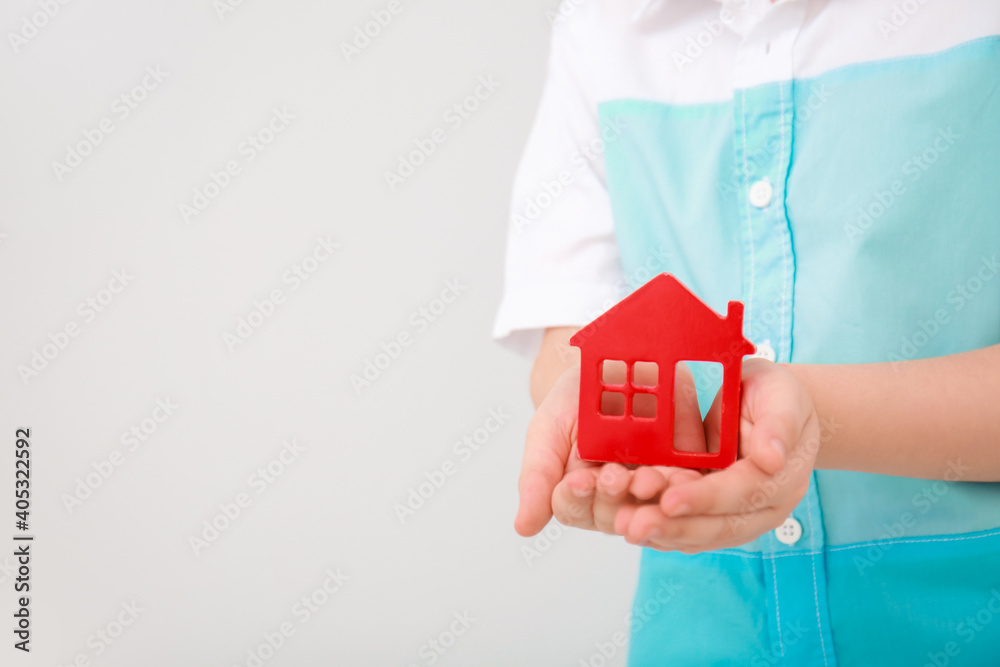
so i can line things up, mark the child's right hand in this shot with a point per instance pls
(582, 494)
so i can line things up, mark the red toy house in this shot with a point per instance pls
(661, 323)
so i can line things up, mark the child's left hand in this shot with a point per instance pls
(675, 509)
(779, 440)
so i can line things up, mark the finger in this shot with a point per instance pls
(650, 481)
(689, 433)
(664, 477)
(724, 492)
(778, 409)
(624, 517)
(613, 480)
(649, 526)
(685, 475)
(573, 499)
(574, 462)
(547, 446)
(769, 441)
(612, 491)
(713, 424)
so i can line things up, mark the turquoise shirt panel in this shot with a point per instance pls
(893, 195)
(895, 203)
(894, 602)
(663, 175)
(918, 601)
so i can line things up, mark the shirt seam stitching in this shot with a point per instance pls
(860, 545)
(746, 184)
(777, 602)
(812, 560)
(914, 541)
(784, 232)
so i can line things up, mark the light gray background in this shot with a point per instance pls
(162, 336)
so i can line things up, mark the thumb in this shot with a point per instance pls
(547, 446)
(770, 439)
(776, 409)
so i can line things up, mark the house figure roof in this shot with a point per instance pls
(664, 315)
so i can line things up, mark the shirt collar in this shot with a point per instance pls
(740, 16)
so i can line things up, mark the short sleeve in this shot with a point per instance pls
(562, 266)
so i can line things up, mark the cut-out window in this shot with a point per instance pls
(628, 388)
(696, 384)
(613, 371)
(612, 403)
(645, 374)
(644, 405)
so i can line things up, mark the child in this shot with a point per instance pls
(833, 165)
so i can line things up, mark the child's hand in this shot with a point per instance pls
(554, 480)
(779, 438)
(550, 440)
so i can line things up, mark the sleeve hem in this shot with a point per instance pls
(526, 312)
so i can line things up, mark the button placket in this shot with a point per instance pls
(764, 107)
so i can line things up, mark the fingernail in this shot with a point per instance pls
(680, 510)
(673, 507)
(582, 491)
(654, 534)
(778, 447)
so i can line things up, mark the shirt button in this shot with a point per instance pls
(765, 351)
(761, 193)
(789, 532)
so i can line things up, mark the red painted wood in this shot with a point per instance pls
(662, 322)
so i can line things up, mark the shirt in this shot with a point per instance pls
(834, 165)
